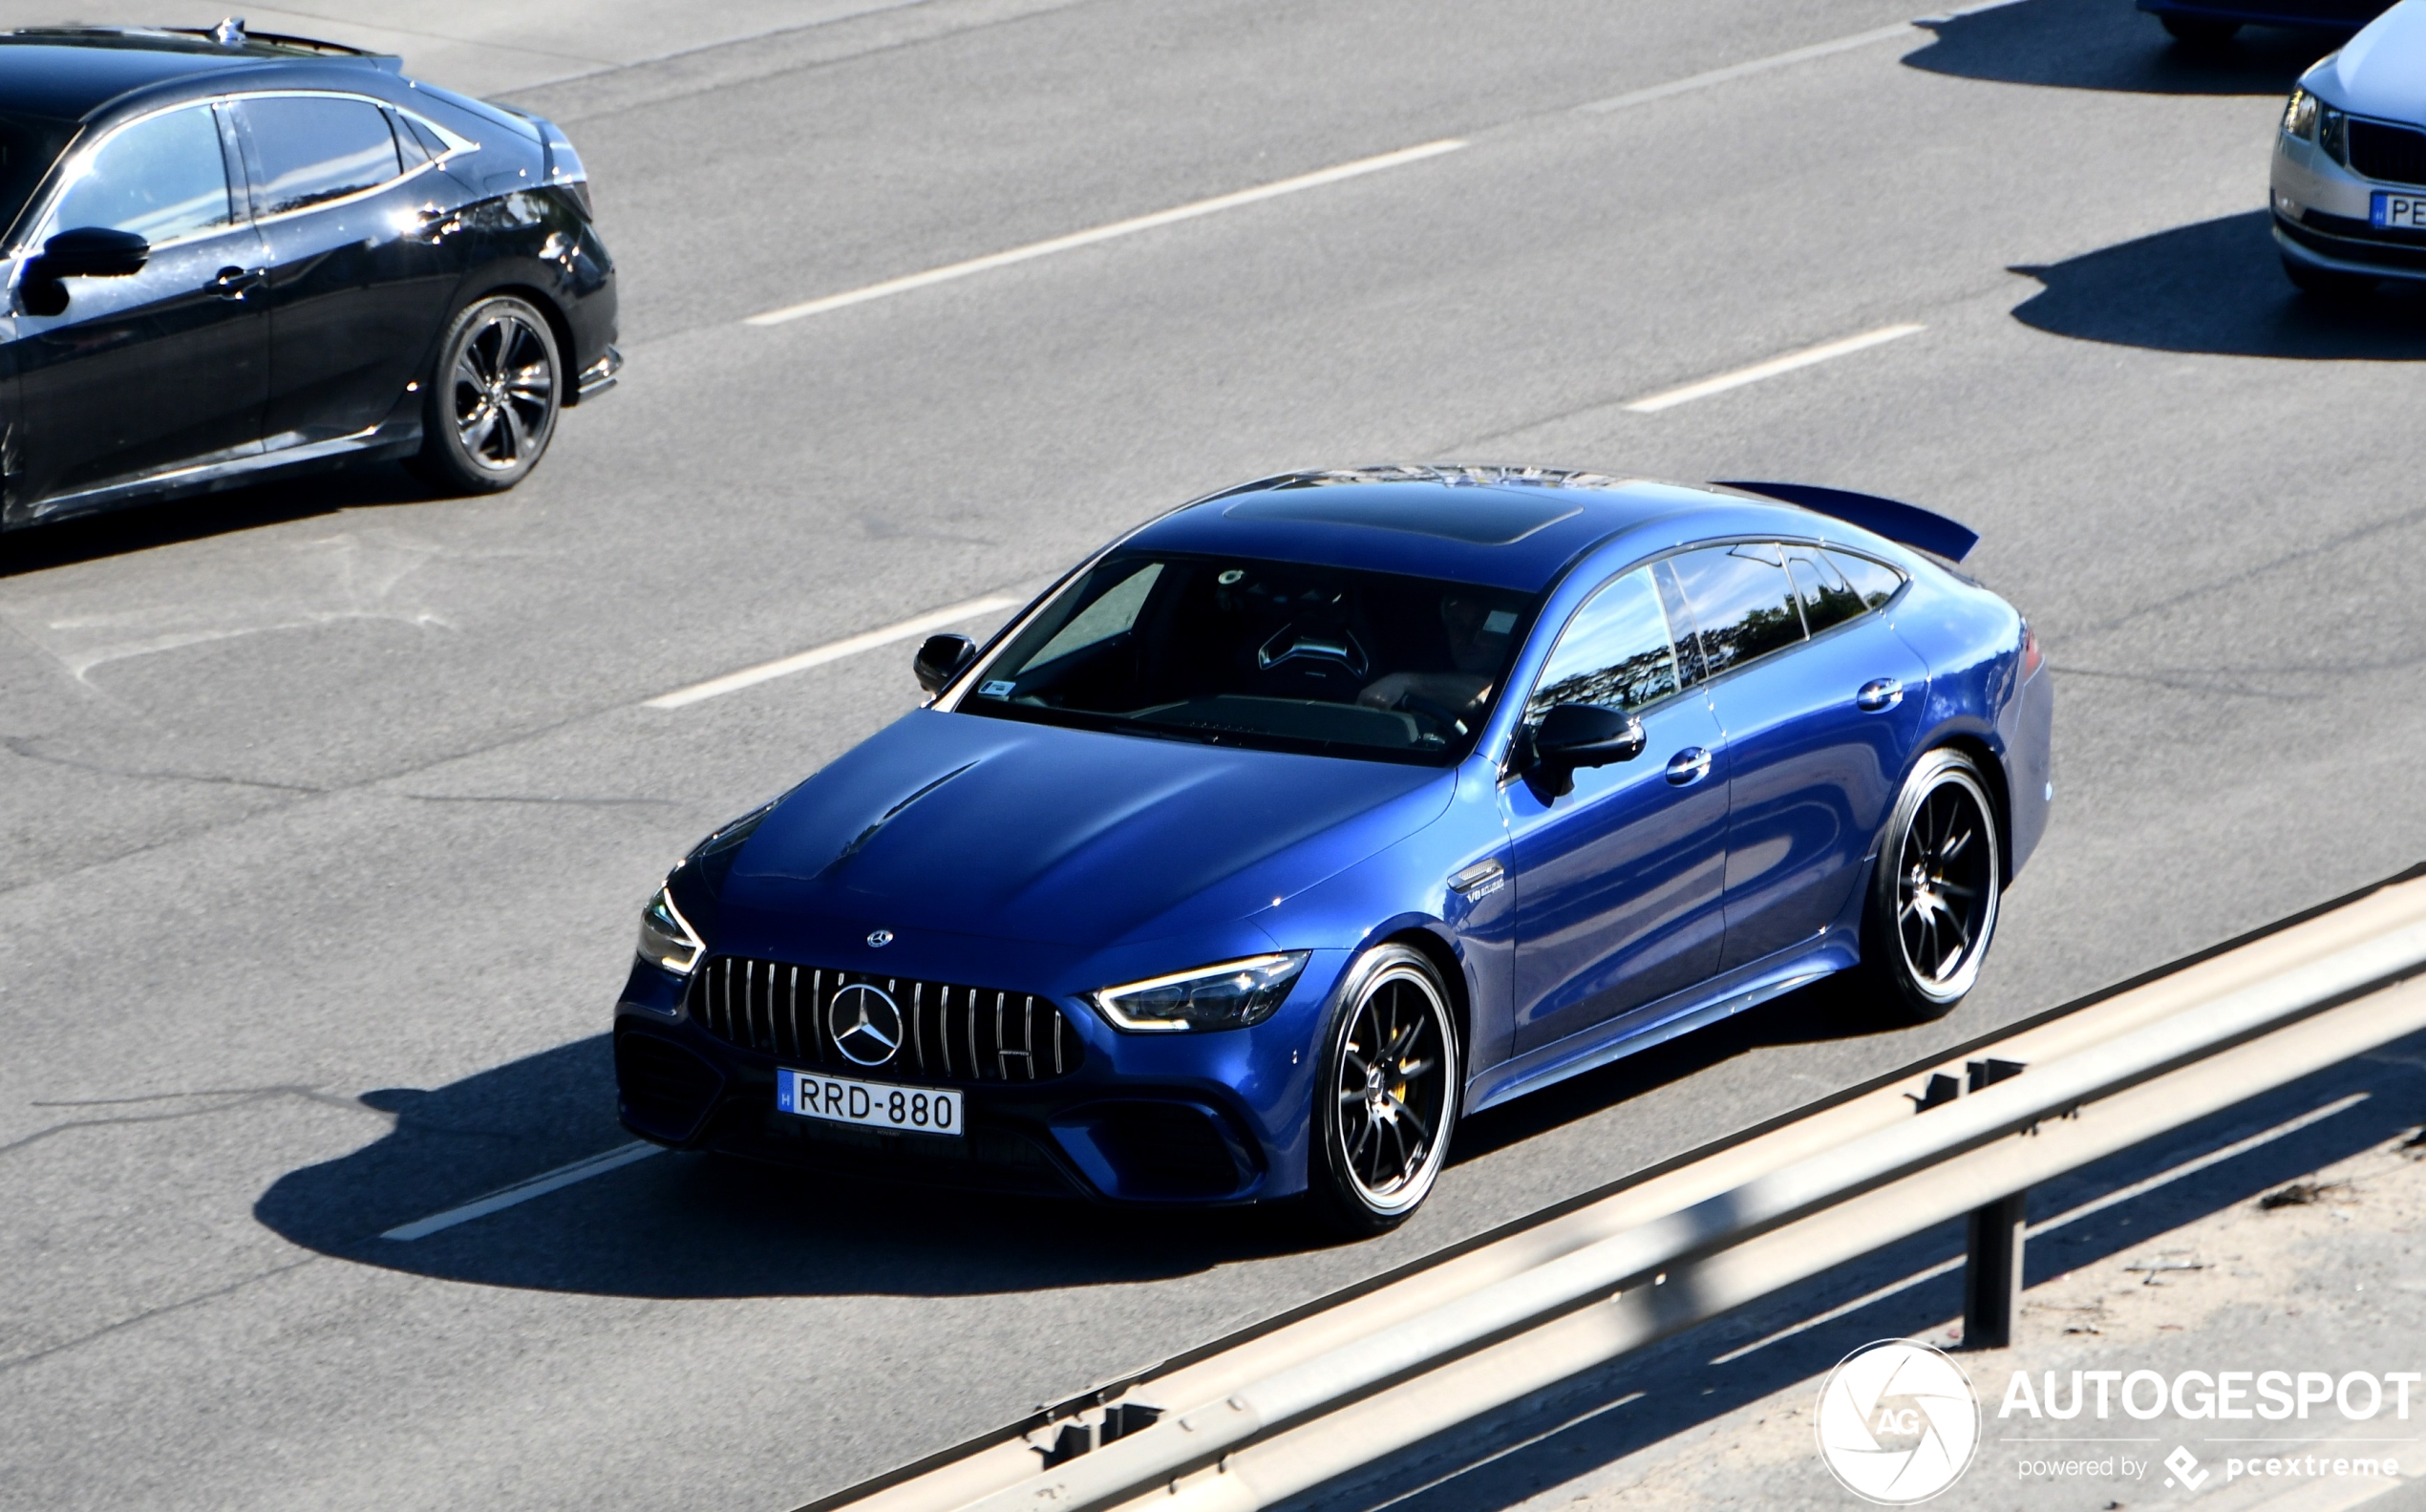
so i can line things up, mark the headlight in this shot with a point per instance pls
(2333, 133)
(1229, 996)
(2299, 116)
(667, 937)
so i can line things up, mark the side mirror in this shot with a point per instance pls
(943, 658)
(1572, 735)
(91, 253)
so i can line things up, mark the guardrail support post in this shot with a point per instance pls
(1993, 1273)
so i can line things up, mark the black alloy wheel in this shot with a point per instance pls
(1386, 1099)
(491, 408)
(1934, 896)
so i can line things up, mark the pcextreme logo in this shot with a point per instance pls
(1898, 1422)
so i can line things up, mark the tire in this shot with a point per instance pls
(490, 407)
(1382, 1121)
(2199, 31)
(2328, 284)
(1935, 894)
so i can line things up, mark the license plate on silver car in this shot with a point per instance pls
(2397, 212)
(871, 1104)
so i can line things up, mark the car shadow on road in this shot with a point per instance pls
(141, 527)
(684, 1226)
(2218, 287)
(1580, 1429)
(2109, 44)
(1815, 1013)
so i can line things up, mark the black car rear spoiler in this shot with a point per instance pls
(1907, 523)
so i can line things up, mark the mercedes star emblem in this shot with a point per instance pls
(879, 938)
(865, 1022)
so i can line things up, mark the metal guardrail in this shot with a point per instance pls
(1343, 1385)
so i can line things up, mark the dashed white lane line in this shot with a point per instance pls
(831, 652)
(557, 1179)
(1771, 369)
(1745, 69)
(1105, 233)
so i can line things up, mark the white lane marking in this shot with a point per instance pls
(1787, 59)
(831, 652)
(1106, 233)
(1791, 360)
(2139, 1188)
(1737, 71)
(557, 1179)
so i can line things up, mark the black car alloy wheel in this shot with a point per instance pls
(1388, 1098)
(1934, 898)
(494, 403)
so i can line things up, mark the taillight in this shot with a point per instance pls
(2031, 655)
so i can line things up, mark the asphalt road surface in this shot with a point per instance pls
(327, 809)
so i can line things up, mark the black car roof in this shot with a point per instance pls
(67, 72)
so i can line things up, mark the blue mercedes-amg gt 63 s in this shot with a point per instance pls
(1318, 812)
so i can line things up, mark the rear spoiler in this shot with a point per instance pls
(1907, 523)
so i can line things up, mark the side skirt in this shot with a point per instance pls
(1679, 1013)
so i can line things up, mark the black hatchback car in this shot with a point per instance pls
(226, 255)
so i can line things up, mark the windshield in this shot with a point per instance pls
(1270, 655)
(27, 150)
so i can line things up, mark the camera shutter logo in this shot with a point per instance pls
(1898, 1422)
(866, 1023)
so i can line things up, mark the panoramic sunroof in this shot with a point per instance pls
(1482, 517)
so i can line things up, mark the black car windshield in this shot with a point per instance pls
(1272, 655)
(27, 150)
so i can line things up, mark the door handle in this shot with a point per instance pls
(1878, 693)
(1688, 766)
(235, 283)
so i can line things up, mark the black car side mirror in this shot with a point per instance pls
(1573, 735)
(943, 658)
(89, 251)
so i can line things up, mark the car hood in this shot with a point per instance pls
(982, 826)
(2382, 71)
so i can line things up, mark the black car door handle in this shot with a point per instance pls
(1689, 765)
(1878, 693)
(235, 283)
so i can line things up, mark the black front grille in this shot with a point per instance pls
(2392, 153)
(949, 1032)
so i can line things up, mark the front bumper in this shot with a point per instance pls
(1190, 1120)
(2322, 209)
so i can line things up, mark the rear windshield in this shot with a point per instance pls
(27, 150)
(1272, 655)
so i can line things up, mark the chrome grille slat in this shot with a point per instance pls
(987, 1051)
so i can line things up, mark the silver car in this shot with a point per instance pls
(2349, 163)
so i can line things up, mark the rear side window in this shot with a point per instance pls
(161, 177)
(1615, 653)
(1743, 601)
(1827, 599)
(314, 148)
(1876, 581)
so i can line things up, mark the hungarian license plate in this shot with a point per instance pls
(871, 1104)
(2398, 212)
